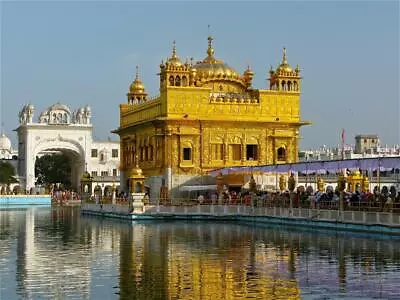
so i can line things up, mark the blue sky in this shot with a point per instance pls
(81, 53)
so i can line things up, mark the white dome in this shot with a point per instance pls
(5, 143)
(59, 106)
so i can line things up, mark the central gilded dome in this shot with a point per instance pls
(210, 67)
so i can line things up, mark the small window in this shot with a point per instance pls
(187, 153)
(94, 173)
(251, 152)
(114, 172)
(114, 152)
(94, 152)
(281, 153)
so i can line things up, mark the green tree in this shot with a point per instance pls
(53, 169)
(7, 173)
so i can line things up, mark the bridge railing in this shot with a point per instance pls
(378, 204)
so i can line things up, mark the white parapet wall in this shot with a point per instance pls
(381, 222)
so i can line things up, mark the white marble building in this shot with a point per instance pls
(369, 150)
(6, 150)
(8, 154)
(71, 133)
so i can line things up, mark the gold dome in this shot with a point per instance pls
(137, 86)
(210, 67)
(174, 60)
(136, 172)
(284, 66)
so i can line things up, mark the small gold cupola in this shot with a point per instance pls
(174, 72)
(174, 61)
(284, 78)
(137, 92)
(284, 67)
(248, 76)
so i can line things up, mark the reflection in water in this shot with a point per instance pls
(57, 253)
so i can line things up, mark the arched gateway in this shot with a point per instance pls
(57, 130)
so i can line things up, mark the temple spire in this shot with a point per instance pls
(137, 73)
(174, 50)
(210, 50)
(284, 59)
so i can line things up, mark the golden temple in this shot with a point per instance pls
(208, 116)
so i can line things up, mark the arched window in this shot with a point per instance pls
(138, 187)
(171, 80)
(141, 153)
(151, 152)
(184, 81)
(146, 153)
(281, 153)
(177, 81)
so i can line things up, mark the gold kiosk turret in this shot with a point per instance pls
(136, 188)
(354, 181)
(320, 184)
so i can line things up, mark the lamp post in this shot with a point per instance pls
(341, 187)
(291, 186)
(114, 192)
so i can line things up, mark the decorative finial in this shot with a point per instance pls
(136, 160)
(174, 50)
(210, 50)
(137, 73)
(284, 60)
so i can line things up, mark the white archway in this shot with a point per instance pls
(71, 133)
(56, 130)
(70, 146)
(76, 161)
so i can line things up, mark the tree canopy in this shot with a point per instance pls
(53, 169)
(7, 173)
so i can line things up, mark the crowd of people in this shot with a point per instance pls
(64, 196)
(384, 199)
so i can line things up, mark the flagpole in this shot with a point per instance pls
(342, 138)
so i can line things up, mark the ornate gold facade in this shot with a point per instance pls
(209, 116)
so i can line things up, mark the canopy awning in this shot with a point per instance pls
(382, 163)
(190, 188)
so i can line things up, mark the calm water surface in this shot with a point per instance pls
(55, 253)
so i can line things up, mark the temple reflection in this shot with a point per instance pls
(57, 253)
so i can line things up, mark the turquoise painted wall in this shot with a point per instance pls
(24, 200)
